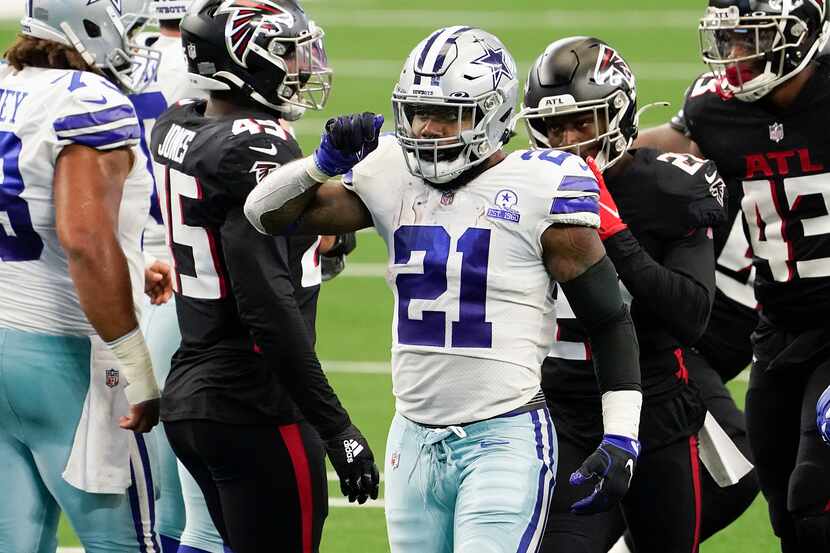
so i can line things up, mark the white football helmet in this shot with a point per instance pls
(469, 76)
(101, 32)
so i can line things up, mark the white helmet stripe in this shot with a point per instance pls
(433, 49)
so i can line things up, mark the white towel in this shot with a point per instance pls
(720, 455)
(100, 457)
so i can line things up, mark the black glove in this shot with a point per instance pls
(334, 261)
(611, 466)
(354, 463)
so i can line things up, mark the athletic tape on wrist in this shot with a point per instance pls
(132, 352)
(621, 413)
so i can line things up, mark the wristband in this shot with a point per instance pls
(137, 367)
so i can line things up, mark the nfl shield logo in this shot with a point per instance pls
(112, 377)
(395, 460)
(447, 198)
(776, 132)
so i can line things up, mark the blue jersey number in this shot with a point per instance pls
(18, 240)
(471, 330)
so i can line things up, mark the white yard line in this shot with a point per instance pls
(511, 20)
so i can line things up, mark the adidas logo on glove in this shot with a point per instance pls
(353, 449)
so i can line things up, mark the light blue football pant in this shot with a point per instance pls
(182, 513)
(481, 488)
(43, 385)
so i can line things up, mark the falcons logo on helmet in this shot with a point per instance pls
(246, 16)
(612, 69)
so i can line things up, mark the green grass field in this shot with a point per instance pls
(367, 41)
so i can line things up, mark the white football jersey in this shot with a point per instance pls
(171, 85)
(474, 305)
(41, 111)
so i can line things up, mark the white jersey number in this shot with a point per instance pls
(471, 330)
(768, 231)
(18, 239)
(206, 280)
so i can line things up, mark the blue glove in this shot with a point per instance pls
(611, 467)
(347, 140)
(823, 415)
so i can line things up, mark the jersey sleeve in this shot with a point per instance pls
(96, 114)
(692, 193)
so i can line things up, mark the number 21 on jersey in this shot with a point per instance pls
(471, 330)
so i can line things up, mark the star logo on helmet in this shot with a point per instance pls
(497, 60)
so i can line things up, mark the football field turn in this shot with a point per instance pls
(367, 41)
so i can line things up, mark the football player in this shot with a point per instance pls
(75, 366)
(581, 96)
(478, 240)
(760, 115)
(159, 322)
(246, 355)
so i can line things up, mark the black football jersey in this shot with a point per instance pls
(779, 163)
(669, 202)
(246, 302)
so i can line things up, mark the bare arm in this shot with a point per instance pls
(570, 250)
(668, 139)
(88, 186)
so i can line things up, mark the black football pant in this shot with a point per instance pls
(662, 506)
(793, 464)
(720, 506)
(265, 486)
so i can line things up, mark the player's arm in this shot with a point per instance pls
(575, 257)
(261, 282)
(681, 291)
(88, 185)
(299, 197)
(673, 136)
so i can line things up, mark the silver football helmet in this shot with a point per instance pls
(462, 75)
(101, 32)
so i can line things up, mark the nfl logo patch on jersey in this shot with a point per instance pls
(776, 132)
(506, 200)
(395, 459)
(112, 378)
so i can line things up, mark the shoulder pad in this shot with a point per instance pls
(561, 184)
(93, 112)
(691, 190)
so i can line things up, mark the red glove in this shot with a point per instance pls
(609, 214)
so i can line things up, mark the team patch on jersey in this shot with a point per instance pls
(112, 378)
(612, 69)
(506, 200)
(262, 169)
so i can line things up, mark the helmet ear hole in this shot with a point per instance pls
(92, 29)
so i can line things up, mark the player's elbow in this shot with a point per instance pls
(80, 240)
(275, 221)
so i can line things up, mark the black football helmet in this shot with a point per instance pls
(755, 45)
(582, 75)
(268, 49)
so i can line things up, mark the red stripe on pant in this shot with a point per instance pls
(296, 449)
(694, 458)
